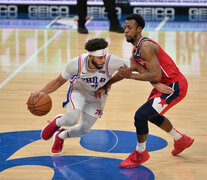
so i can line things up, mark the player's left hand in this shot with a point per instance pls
(125, 72)
(102, 90)
(163, 88)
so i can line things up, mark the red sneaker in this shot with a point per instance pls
(57, 147)
(181, 144)
(135, 159)
(50, 128)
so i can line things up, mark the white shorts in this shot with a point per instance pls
(87, 103)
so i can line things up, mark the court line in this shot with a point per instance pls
(73, 21)
(48, 26)
(162, 23)
(96, 156)
(29, 59)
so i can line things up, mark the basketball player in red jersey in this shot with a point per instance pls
(154, 65)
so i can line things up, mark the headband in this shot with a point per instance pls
(100, 52)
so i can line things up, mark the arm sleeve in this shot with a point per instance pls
(70, 69)
(115, 63)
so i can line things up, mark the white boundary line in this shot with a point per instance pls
(48, 26)
(162, 23)
(96, 156)
(29, 60)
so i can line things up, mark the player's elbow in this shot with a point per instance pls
(157, 78)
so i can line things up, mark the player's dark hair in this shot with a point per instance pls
(138, 18)
(96, 44)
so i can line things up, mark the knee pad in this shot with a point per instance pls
(142, 115)
(157, 120)
(141, 123)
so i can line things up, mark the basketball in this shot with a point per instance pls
(39, 104)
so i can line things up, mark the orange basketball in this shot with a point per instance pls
(39, 104)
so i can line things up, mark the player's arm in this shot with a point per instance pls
(113, 66)
(70, 69)
(153, 71)
(159, 86)
(54, 84)
(133, 66)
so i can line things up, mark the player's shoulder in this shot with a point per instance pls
(146, 43)
(117, 62)
(147, 46)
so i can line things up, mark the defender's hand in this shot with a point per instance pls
(125, 72)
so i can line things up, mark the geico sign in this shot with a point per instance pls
(49, 9)
(8, 9)
(159, 10)
(197, 11)
(101, 10)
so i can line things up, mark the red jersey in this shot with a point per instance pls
(167, 65)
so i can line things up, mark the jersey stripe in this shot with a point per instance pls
(106, 66)
(79, 65)
(164, 71)
(141, 40)
(72, 79)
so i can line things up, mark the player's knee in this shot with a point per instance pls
(157, 120)
(70, 119)
(142, 115)
(70, 123)
(84, 131)
(141, 123)
(140, 118)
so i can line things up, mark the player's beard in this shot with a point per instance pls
(95, 64)
(131, 40)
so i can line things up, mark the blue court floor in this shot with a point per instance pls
(81, 167)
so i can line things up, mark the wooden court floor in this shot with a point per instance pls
(31, 58)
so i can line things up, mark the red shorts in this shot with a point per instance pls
(163, 102)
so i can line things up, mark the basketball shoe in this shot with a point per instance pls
(57, 147)
(135, 159)
(50, 128)
(181, 144)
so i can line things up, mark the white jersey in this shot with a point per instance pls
(89, 81)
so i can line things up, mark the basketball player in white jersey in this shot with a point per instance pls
(86, 73)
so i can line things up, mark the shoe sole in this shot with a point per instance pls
(184, 149)
(47, 125)
(136, 165)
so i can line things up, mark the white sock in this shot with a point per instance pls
(57, 122)
(64, 134)
(141, 146)
(175, 134)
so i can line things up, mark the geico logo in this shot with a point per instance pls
(9, 8)
(45, 15)
(9, 15)
(49, 9)
(158, 17)
(101, 10)
(160, 11)
(197, 11)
